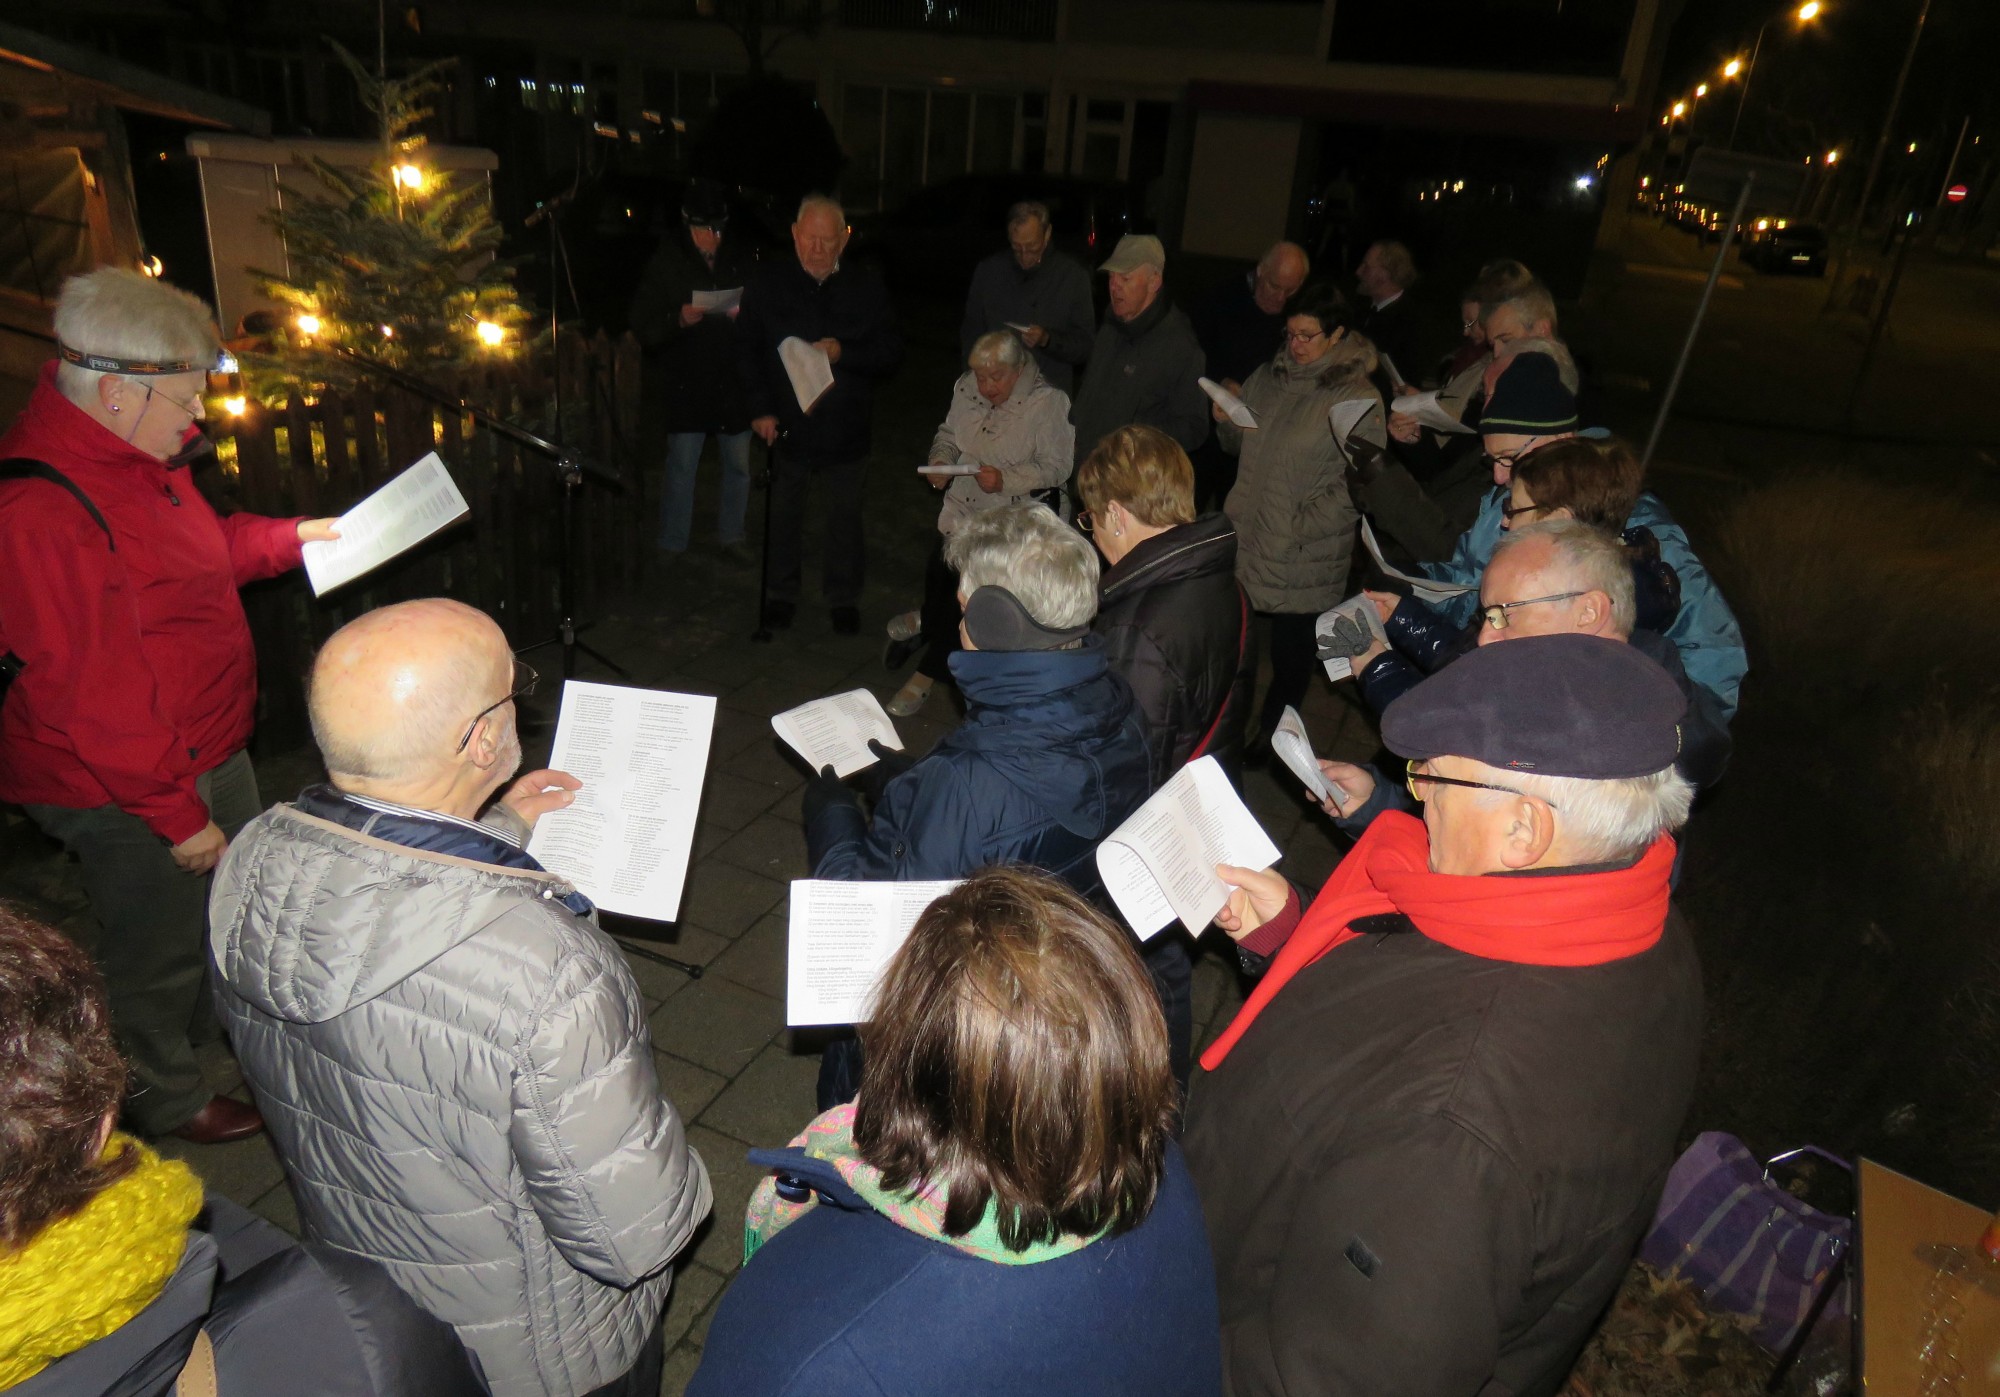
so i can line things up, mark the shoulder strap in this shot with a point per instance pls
(27, 468)
(197, 1378)
(1242, 648)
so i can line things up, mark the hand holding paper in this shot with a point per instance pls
(1426, 409)
(809, 369)
(719, 302)
(1345, 417)
(1422, 588)
(1256, 896)
(836, 731)
(1295, 749)
(1160, 863)
(1232, 406)
(393, 520)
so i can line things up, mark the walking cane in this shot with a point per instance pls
(762, 635)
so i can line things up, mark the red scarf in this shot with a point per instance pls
(1562, 919)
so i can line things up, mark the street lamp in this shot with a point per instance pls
(1732, 67)
(1804, 14)
(1680, 110)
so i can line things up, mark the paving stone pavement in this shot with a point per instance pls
(724, 1054)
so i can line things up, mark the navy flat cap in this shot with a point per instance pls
(1556, 705)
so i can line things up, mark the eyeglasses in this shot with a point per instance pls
(192, 407)
(1496, 615)
(1411, 776)
(1085, 522)
(525, 680)
(1508, 458)
(1294, 337)
(1511, 512)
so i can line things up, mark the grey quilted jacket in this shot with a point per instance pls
(457, 1073)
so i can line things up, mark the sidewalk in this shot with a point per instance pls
(723, 1052)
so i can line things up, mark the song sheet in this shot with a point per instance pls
(809, 369)
(1345, 417)
(1422, 588)
(841, 936)
(1430, 413)
(1232, 406)
(965, 468)
(718, 302)
(393, 520)
(1361, 612)
(1160, 864)
(1395, 374)
(835, 731)
(1295, 749)
(642, 755)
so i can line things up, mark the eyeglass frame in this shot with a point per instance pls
(1411, 776)
(1085, 522)
(1510, 459)
(1487, 617)
(1294, 337)
(1511, 512)
(521, 691)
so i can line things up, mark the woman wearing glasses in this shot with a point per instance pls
(1294, 520)
(133, 679)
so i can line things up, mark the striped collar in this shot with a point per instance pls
(389, 807)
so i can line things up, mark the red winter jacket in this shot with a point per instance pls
(138, 669)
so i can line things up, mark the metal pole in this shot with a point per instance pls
(1875, 330)
(1743, 94)
(1951, 165)
(1700, 312)
(1875, 161)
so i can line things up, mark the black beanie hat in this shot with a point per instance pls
(704, 204)
(1529, 399)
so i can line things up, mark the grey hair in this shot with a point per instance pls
(123, 314)
(1607, 821)
(1049, 567)
(1028, 209)
(1397, 262)
(1556, 350)
(999, 347)
(1587, 559)
(1532, 302)
(821, 201)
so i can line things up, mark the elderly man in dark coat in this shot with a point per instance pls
(1036, 290)
(1146, 363)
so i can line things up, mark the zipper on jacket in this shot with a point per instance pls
(172, 498)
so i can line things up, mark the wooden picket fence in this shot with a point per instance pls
(320, 457)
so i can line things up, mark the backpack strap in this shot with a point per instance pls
(197, 1378)
(1242, 648)
(27, 468)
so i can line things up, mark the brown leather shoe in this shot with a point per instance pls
(223, 1119)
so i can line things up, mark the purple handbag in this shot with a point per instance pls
(1752, 1248)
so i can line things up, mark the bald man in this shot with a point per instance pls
(453, 1060)
(1240, 326)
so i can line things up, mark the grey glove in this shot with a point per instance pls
(1348, 639)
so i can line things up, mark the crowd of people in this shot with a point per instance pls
(1419, 1159)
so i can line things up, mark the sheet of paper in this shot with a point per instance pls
(1395, 374)
(1295, 749)
(1345, 416)
(1422, 588)
(1160, 864)
(1429, 412)
(393, 520)
(1360, 610)
(642, 755)
(966, 468)
(835, 731)
(841, 937)
(1017, 325)
(718, 302)
(808, 368)
(1230, 404)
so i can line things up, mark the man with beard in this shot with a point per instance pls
(453, 1060)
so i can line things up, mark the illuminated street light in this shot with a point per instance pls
(1913, 148)
(408, 177)
(1805, 14)
(490, 334)
(1833, 157)
(1732, 67)
(1700, 91)
(1680, 109)
(236, 405)
(1809, 12)
(308, 324)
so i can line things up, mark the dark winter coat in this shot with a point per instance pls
(1143, 371)
(692, 383)
(283, 1316)
(846, 1303)
(1051, 758)
(1397, 331)
(1055, 295)
(781, 301)
(1173, 623)
(1237, 336)
(1425, 1172)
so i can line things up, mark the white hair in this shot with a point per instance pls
(1606, 821)
(1049, 567)
(1002, 348)
(1556, 350)
(123, 314)
(1028, 211)
(821, 201)
(1531, 303)
(1583, 558)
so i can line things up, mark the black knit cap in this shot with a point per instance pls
(1556, 705)
(1529, 399)
(704, 204)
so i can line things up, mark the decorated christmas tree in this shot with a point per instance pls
(394, 260)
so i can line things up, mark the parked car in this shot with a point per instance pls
(1779, 245)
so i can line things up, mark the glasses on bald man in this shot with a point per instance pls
(525, 680)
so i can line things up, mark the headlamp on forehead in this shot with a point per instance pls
(223, 362)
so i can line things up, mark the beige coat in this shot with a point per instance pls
(1028, 437)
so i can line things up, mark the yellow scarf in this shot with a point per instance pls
(84, 1275)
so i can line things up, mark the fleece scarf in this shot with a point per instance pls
(830, 1137)
(1561, 919)
(84, 1275)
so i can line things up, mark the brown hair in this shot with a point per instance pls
(59, 1073)
(1143, 469)
(1597, 482)
(1498, 280)
(1017, 1056)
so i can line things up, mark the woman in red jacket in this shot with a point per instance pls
(123, 732)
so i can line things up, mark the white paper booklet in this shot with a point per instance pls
(808, 368)
(642, 755)
(718, 302)
(1231, 405)
(1295, 749)
(1160, 864)
(841, 937)
(393, 520)
(1423, 588)
(1395, 374)
(967, 468)
(835, 731)
(1430, 413)
(1345, 417)
(1362, 612)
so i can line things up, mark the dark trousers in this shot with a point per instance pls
(941, 615)
(1288, 637)
(842, 543)
(642, 1379)
(1214, 475)
(152, 921)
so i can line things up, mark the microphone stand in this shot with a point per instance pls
(762, 635)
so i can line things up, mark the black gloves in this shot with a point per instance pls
(1365, 462)
(822, 793)
(889, 764)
